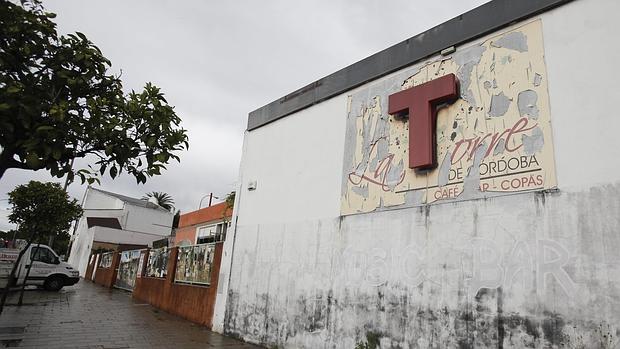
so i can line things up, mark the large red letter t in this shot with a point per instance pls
(421, 103)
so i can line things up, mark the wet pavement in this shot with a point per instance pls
(90, 316)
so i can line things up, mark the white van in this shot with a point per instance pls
(47, 270)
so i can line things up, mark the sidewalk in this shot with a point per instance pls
(90, 316)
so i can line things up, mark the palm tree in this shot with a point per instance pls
(162, 199)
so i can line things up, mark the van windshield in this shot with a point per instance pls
(42, 254)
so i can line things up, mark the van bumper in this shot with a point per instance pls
(71, 281)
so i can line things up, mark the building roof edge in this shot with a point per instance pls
(482, 20)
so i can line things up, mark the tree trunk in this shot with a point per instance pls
(21, 294)
(5, 294)
(67, 182)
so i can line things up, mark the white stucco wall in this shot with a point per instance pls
(296, 163)
(308, 189)
(95, 204)
(141, 225)
(82, 241)
(534, 269)
(143, 219)
(117, 236)
(583, 91)
(96, 200)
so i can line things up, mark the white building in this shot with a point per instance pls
(112, 219)
(512, 239)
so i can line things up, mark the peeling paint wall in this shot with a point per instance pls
(495, 139)
(530, 269)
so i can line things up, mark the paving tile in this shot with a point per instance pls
(89, 316)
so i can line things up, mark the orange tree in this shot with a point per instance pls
(59, 103)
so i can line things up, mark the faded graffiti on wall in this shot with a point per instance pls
(521, 271)
(495, 139)
(478, 264)
(316, 294)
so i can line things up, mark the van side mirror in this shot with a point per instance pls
(56, 260)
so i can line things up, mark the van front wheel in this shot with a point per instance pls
(53, 283)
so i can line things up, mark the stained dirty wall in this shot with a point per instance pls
(527, 270)
(536, 269)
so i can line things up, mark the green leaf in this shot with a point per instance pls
(151, 141)
(56, 154)
(32, 160)
(113, 171)
(44, 128)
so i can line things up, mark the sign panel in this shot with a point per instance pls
(8, 255)
(194, 264)
(157, 266)
(493, 140)
(128, 269)
(140, 265)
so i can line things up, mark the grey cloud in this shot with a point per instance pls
(217, 61)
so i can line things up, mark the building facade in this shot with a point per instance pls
(437, 193)
(209, 224)
(112, 221)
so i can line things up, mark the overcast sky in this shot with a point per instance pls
(217, 61)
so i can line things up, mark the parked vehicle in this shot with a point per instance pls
(46, 268)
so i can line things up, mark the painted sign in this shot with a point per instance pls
(141, 265)
(420, 104)
(494, 139)
(157, 266)
(128, 269)
(8, 255)
(194, 264)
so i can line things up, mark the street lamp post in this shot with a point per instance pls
(211, 197)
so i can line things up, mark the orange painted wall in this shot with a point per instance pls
(186, 233)
(204, 215)
(189, 221)
(192, 302)
(107, 276)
